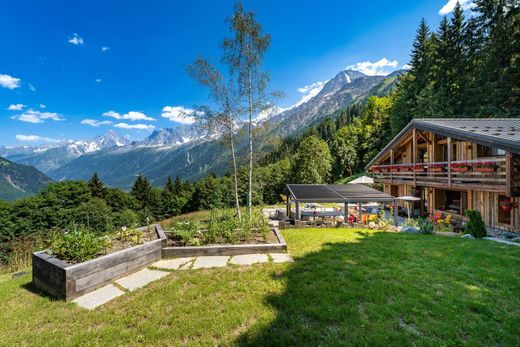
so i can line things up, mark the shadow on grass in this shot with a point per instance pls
(30, 287)
(396, 289)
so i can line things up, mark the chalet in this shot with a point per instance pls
(453, 165)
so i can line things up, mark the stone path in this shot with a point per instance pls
(496, 239)
(163, 267)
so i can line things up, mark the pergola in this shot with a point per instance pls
(337, 193)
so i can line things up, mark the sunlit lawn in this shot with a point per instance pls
(346, 287)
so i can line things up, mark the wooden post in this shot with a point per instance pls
(288, 208)
(508, 173)
(395, 212)
(391, 163)
(449, 162)
(414, 155)
(346, 212)
(360, 212)
(298, 216)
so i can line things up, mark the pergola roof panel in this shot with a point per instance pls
(337, 193)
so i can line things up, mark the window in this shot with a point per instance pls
(504, 209)
(486, 151)
(451, 201)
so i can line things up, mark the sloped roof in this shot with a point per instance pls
(337, 193)
(501, 133)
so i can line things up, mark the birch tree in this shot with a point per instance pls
(243, 53)
(224, 115)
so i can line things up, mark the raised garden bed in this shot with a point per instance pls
(274, 244)
(67, 280)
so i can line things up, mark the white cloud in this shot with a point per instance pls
(379, 67)
(134, 126)
(76, 39)
(34, 138)
(9, 82)
(98, 80)
(450, 5)
(406, 67)
(95, 123)
(105, 48)
(311, 87)
(16, 107)
(35, 117)
(308, 92)
(132, 116)
(31, 87)
(179, 114)
(43, 106)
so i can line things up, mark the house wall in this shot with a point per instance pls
(485, 202)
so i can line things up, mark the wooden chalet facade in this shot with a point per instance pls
(454, 165)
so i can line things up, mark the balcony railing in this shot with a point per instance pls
(488, 172)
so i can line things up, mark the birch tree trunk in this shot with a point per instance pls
(235, 176)
(250, 188)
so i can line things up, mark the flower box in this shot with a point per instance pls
(394, 169)
(486, 169)
(486, 166)
(404, 168)
(436, 167)
(418, 168)
(460, 167)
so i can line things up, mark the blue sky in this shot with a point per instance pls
(75, 69)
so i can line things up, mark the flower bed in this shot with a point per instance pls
(223, 235)
(70, 279)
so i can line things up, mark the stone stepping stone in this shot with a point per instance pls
(98, 297)
(207, 262)
(140, 279)
(249, 259)
(172, 264)
(281, 258)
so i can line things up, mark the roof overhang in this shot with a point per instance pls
(460, 134)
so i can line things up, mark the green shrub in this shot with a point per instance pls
(475, 225)
(384, 222)
(411, 223)
(426, 226)
(130, 236)
(79, 245)
(126, 218)
(188, 233)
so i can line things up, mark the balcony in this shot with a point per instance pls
(489, 174)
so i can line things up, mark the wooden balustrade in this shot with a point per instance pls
(464, 174)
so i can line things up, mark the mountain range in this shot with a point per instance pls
(18, 181)
(188, 151)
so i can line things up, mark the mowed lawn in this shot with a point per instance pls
(347, 287)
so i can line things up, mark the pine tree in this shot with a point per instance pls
(177, 186)
(169, 200)
(142, 192)
(97, 189)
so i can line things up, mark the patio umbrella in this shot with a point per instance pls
(409, 199)
(362, 180)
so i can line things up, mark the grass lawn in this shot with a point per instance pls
(346, 287)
